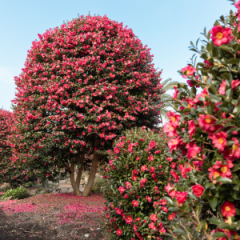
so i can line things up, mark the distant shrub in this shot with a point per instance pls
(135, 179)
(17, 193)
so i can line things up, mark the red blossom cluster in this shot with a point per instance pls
(204, 142)
(135, 185)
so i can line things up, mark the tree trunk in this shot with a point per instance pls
(91, 178)
(73, 182)
(79, 174)
(45, 183)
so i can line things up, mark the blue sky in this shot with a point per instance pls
(167, 27)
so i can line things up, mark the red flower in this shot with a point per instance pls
(172, 216)
(153, 217)
(235, 83)
(219, 140)
(121, 189)
(174, 143)
(220, 35)
(181, 197)
(152, 226)
(135, 203)
(198, 190)
(214, 174)
(228, 209)
(129, 219)
(144, 168)
(189, 71)
(191, 128)
(193, 151)
(207, 123)
(119, 232)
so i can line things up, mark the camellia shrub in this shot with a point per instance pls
(9, 172)
(204, 145)
(135, 178)
(82, 85)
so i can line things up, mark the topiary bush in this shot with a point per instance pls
(17, 193)
(83, 84)
(135, 178)
(205, 135)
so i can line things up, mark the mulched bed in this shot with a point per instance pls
(53, 216)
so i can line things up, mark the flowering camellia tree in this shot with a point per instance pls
(9, 172)
(205, 139)
(82, 85)
(135, 178)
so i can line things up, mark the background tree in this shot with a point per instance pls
(82, 85)
(9, 172)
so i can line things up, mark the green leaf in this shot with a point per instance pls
(224, 225)
(214, 98)
(213, 203)
(226, 48)
(224, 180)
(219, 234)
(214, 221)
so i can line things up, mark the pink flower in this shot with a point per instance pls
(153, 217)
(207, 63)
(193, 152)
(163, 202)
(152, 145)
(224, 168)
(198, 190)
(152, 226)
(150, 158)
(116, 150)
(189, 71)
(169, 159)
(184, 169)
(191, 128)
(219, 140)
(144, 168)
(174, 143)
(125, 196)
(213, 174)
(118, 211)
(235, 148)
(121, 189)
(170, 190)
(148, 199)
(170, 129)
(175, 92)
(222, 88)
(220, 35)
(174, 118)
(128, 185)
(119, 232)
(235, 83)
(206, 122)
(142, 182)
(135, 203)
(129, 219)
(237, 5)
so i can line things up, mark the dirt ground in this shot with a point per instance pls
(53, 216)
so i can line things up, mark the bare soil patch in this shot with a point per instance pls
(53, 216)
